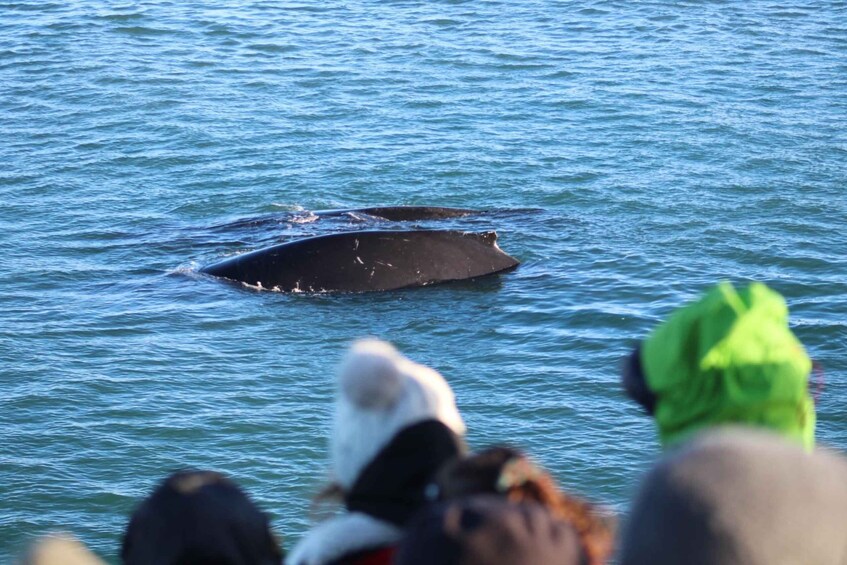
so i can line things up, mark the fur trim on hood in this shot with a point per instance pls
(343, 535)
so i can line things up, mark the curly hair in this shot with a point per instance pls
(509, 472)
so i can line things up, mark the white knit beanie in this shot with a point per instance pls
(380, 392)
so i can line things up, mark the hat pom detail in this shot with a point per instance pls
(370, 377)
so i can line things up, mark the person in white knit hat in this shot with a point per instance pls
(395, 424)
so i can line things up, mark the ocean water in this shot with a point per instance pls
(631, 154)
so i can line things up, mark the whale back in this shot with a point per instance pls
(368, 261)
(405, 213)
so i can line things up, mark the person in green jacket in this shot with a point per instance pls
(727, 358)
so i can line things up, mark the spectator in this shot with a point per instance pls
(489, 530)
(728, 358)
(199, 517)
(508, 473)
(59, 549)
(395, 424)
(740, 496)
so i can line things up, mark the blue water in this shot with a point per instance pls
(635, 152)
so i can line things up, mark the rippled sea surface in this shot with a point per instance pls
(633, 153)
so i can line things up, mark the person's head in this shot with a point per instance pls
(395, 424)
(510, 474)
(727, 358)
(487, 529)
(59, 549)
(199, 518)
(739, 495)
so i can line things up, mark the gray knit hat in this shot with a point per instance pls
(740, 496)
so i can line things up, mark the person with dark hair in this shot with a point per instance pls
(509, 474)
(395, 424)
(727, 358)
(199, 518)
(489, 530)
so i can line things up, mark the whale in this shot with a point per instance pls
(403, 213)
(375, 213)
(366, 261)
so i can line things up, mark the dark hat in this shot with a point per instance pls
(488, 530)
(199, 517)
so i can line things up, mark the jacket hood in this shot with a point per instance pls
(729, 358)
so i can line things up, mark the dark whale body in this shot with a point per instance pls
(386, 213)
(368, 261)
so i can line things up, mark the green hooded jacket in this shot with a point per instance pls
(729, 358)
